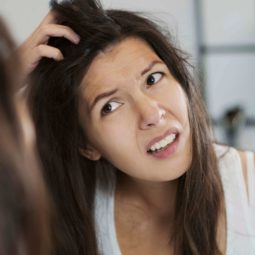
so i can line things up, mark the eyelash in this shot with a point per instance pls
(104, 107)
(152, 76)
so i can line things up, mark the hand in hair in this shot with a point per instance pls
(36, 45)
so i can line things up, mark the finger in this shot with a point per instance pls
(47, 51)
(29, 62)
(56, 30)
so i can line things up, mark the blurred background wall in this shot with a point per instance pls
(219, 35)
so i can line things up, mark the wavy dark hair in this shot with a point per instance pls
(24, 208)
(71, 177)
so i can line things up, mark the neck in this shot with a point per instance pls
(158, 198)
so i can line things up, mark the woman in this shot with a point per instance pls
(125, 143)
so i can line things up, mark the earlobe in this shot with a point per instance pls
(90, 153)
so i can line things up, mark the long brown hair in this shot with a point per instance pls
(24, 219)
(71, 177)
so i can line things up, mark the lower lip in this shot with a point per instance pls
(168, 151)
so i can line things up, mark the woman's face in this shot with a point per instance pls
(134, 113)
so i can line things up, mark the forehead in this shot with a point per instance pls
(119, 62)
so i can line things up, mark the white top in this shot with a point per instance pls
(240, 207)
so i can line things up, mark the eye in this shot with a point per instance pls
(154, 78)
(110, 107)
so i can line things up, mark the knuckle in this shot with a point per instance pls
(44, 29)
(67, 30)
(40, 49)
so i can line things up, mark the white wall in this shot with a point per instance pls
(22, 16)
(230, 79)
(229, 21)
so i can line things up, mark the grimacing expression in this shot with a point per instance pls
(135, 114)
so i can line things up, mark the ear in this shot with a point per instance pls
(90, 153)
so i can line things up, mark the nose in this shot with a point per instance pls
(150, 112)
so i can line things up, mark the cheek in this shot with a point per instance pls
(176, 101)
(183, 109)
(110, 134)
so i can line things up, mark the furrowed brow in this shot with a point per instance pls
(150, 66)
(102, 96)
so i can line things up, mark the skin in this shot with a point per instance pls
(140, 112)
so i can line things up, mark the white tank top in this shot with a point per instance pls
(240, 207)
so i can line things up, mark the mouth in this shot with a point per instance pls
(161, 144)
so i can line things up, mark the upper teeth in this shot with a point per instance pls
(163, 143)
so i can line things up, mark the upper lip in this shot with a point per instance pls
(159, 138)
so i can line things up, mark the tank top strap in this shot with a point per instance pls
(251, 177)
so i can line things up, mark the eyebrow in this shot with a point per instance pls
(101, 96)
(149, 67)
(109, 93)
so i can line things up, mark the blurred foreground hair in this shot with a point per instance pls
(24, 219)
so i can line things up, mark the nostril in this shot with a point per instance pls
(153, 117)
